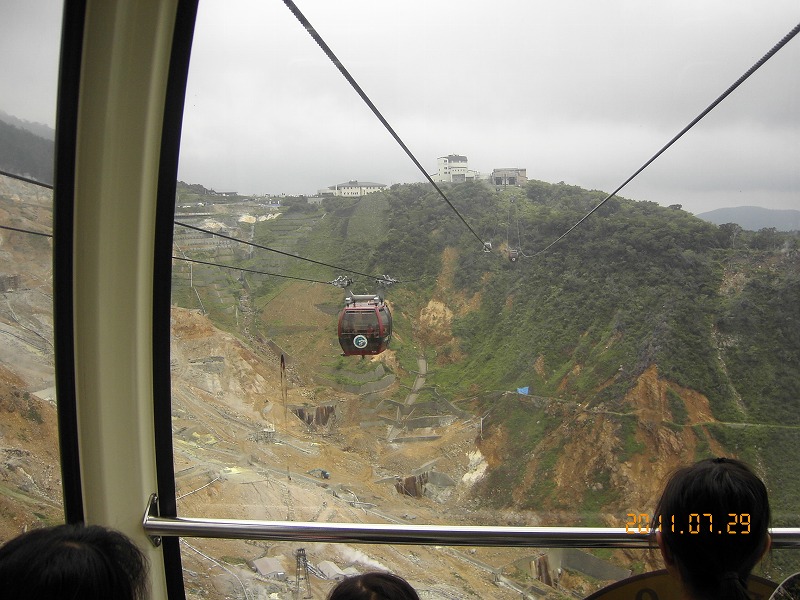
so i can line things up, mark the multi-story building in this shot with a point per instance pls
(352, 188)
(453, 168)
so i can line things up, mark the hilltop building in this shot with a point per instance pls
(509, 177)
(352, 188)
(453, 168)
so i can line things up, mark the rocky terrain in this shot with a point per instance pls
(343, 440)
(241, 452)
(30, 480)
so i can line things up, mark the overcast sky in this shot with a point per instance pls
(581, 91)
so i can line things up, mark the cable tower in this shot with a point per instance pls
(301, 574)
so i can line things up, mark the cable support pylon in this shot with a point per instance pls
(301, 573)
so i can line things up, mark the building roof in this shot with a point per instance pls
(266, 566)
(330, 570)
(358, 184)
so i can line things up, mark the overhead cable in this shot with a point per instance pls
(254, 245)
(325, 48)
(200, 229)
(49, 186)
(724, 95)
(41, 233)
(233, 268)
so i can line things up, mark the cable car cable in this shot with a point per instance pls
(200, 229)
(281, 252)
(508, 225)
(49, 186)
(519, 239)
(713, 105)
(231, 267)
(49, 235)
(326, 49)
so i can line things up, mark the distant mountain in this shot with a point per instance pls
(39, 129)
(24, 153)
(754, 218)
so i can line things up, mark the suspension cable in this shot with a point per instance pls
(326, 49)
(49, 186)
(41, 233)
(233, 268)
(200, 229)
(281, 252)
(713, 105)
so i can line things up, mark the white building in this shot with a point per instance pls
(352, 188)
(269, 567)
(453, 168)
(331, 570)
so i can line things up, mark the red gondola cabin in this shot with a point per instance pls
(365, 325)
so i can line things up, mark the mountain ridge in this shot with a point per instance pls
(754, 218)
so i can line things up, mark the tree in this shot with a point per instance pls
(766, 239)
(728, 234)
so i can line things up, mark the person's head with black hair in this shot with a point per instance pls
(714, 518)
(373, 586)
(67, 562)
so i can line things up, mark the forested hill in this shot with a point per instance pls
(635, 285)
(24, 153)
(647, 337)
(661, 330)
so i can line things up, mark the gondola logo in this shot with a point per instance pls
(360, 342)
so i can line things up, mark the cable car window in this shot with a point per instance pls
(559, 390)
(30, 480)
(385, 318)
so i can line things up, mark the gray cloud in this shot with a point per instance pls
(583, 92)
(29, 46)
(579, 91)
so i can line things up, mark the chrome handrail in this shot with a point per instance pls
(431, 535)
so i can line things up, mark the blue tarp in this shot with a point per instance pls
(522, 391)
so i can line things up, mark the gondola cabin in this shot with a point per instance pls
(365, 325)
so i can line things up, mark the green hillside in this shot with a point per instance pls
(639, 294)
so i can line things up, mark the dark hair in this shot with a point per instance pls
(373, 586)
(72, 561)
(721, 516)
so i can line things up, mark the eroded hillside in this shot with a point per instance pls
(242, 452)
(631, 370)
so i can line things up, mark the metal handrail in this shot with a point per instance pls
(432, 535)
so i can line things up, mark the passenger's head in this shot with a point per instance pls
(373, 586)
(70, 562)
(714, 519)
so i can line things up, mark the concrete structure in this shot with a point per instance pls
(453, 168)
(9, 283)
(268, 567)
(550, 565)
(352, 189)
(509, 177)
(331, 570)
